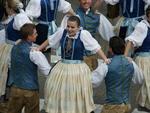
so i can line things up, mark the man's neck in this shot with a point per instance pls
(85, 10)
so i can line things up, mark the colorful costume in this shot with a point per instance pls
(95, 23)
(44, 13)
(68, 88)
(132, 12)
(141, 39)
(23, 78)
(118, 76)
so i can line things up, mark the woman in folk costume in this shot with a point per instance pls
(68, 88)
(9, 7)
(12, 32)
(44, 14)
(132, 12)
(140, 39)
(97, 24)
(5, 47)
(99, 27)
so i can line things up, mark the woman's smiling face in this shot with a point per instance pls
(72, 28)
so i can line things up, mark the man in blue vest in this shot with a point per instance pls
(118, 76)
(132, 12)
(23, 73)
(96, 24)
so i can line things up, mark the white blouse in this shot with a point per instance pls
(139, 34)
(33, 8)
(105, 28)
(89, 42)
(100, 73)
(19, 20)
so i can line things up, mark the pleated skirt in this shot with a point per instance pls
(68, 89)
(5, 50)
(144, 94)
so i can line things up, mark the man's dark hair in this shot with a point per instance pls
(148, 10)
(74, 18)
(26, 30)
(117, 44)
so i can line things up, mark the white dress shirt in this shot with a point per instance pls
(40, 60)
(100, 73)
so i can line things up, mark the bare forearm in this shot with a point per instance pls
(101, 54)
(43, 45)
(128, 48)
(70, 12)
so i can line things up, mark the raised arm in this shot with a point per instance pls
(71, 12)
(137, 37)
(65, 7)
(43, 45)
(103, 56)
(128, 48)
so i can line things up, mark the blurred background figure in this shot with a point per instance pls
(139, 42)
(132, 12)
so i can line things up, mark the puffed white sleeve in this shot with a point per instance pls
(138, 74)
(19, 20)
(99, 74)
(105, 28)
(64, 6)
(33, 8)
(40, 60)
(54, 40)
(138, 35)
(89, 42)
(112, 2)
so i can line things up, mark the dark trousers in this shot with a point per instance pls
(20, 98)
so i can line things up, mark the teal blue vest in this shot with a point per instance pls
(90, 21)
(23, 72)
(118, 79)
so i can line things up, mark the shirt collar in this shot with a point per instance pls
(76, 36)
(86, 12)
